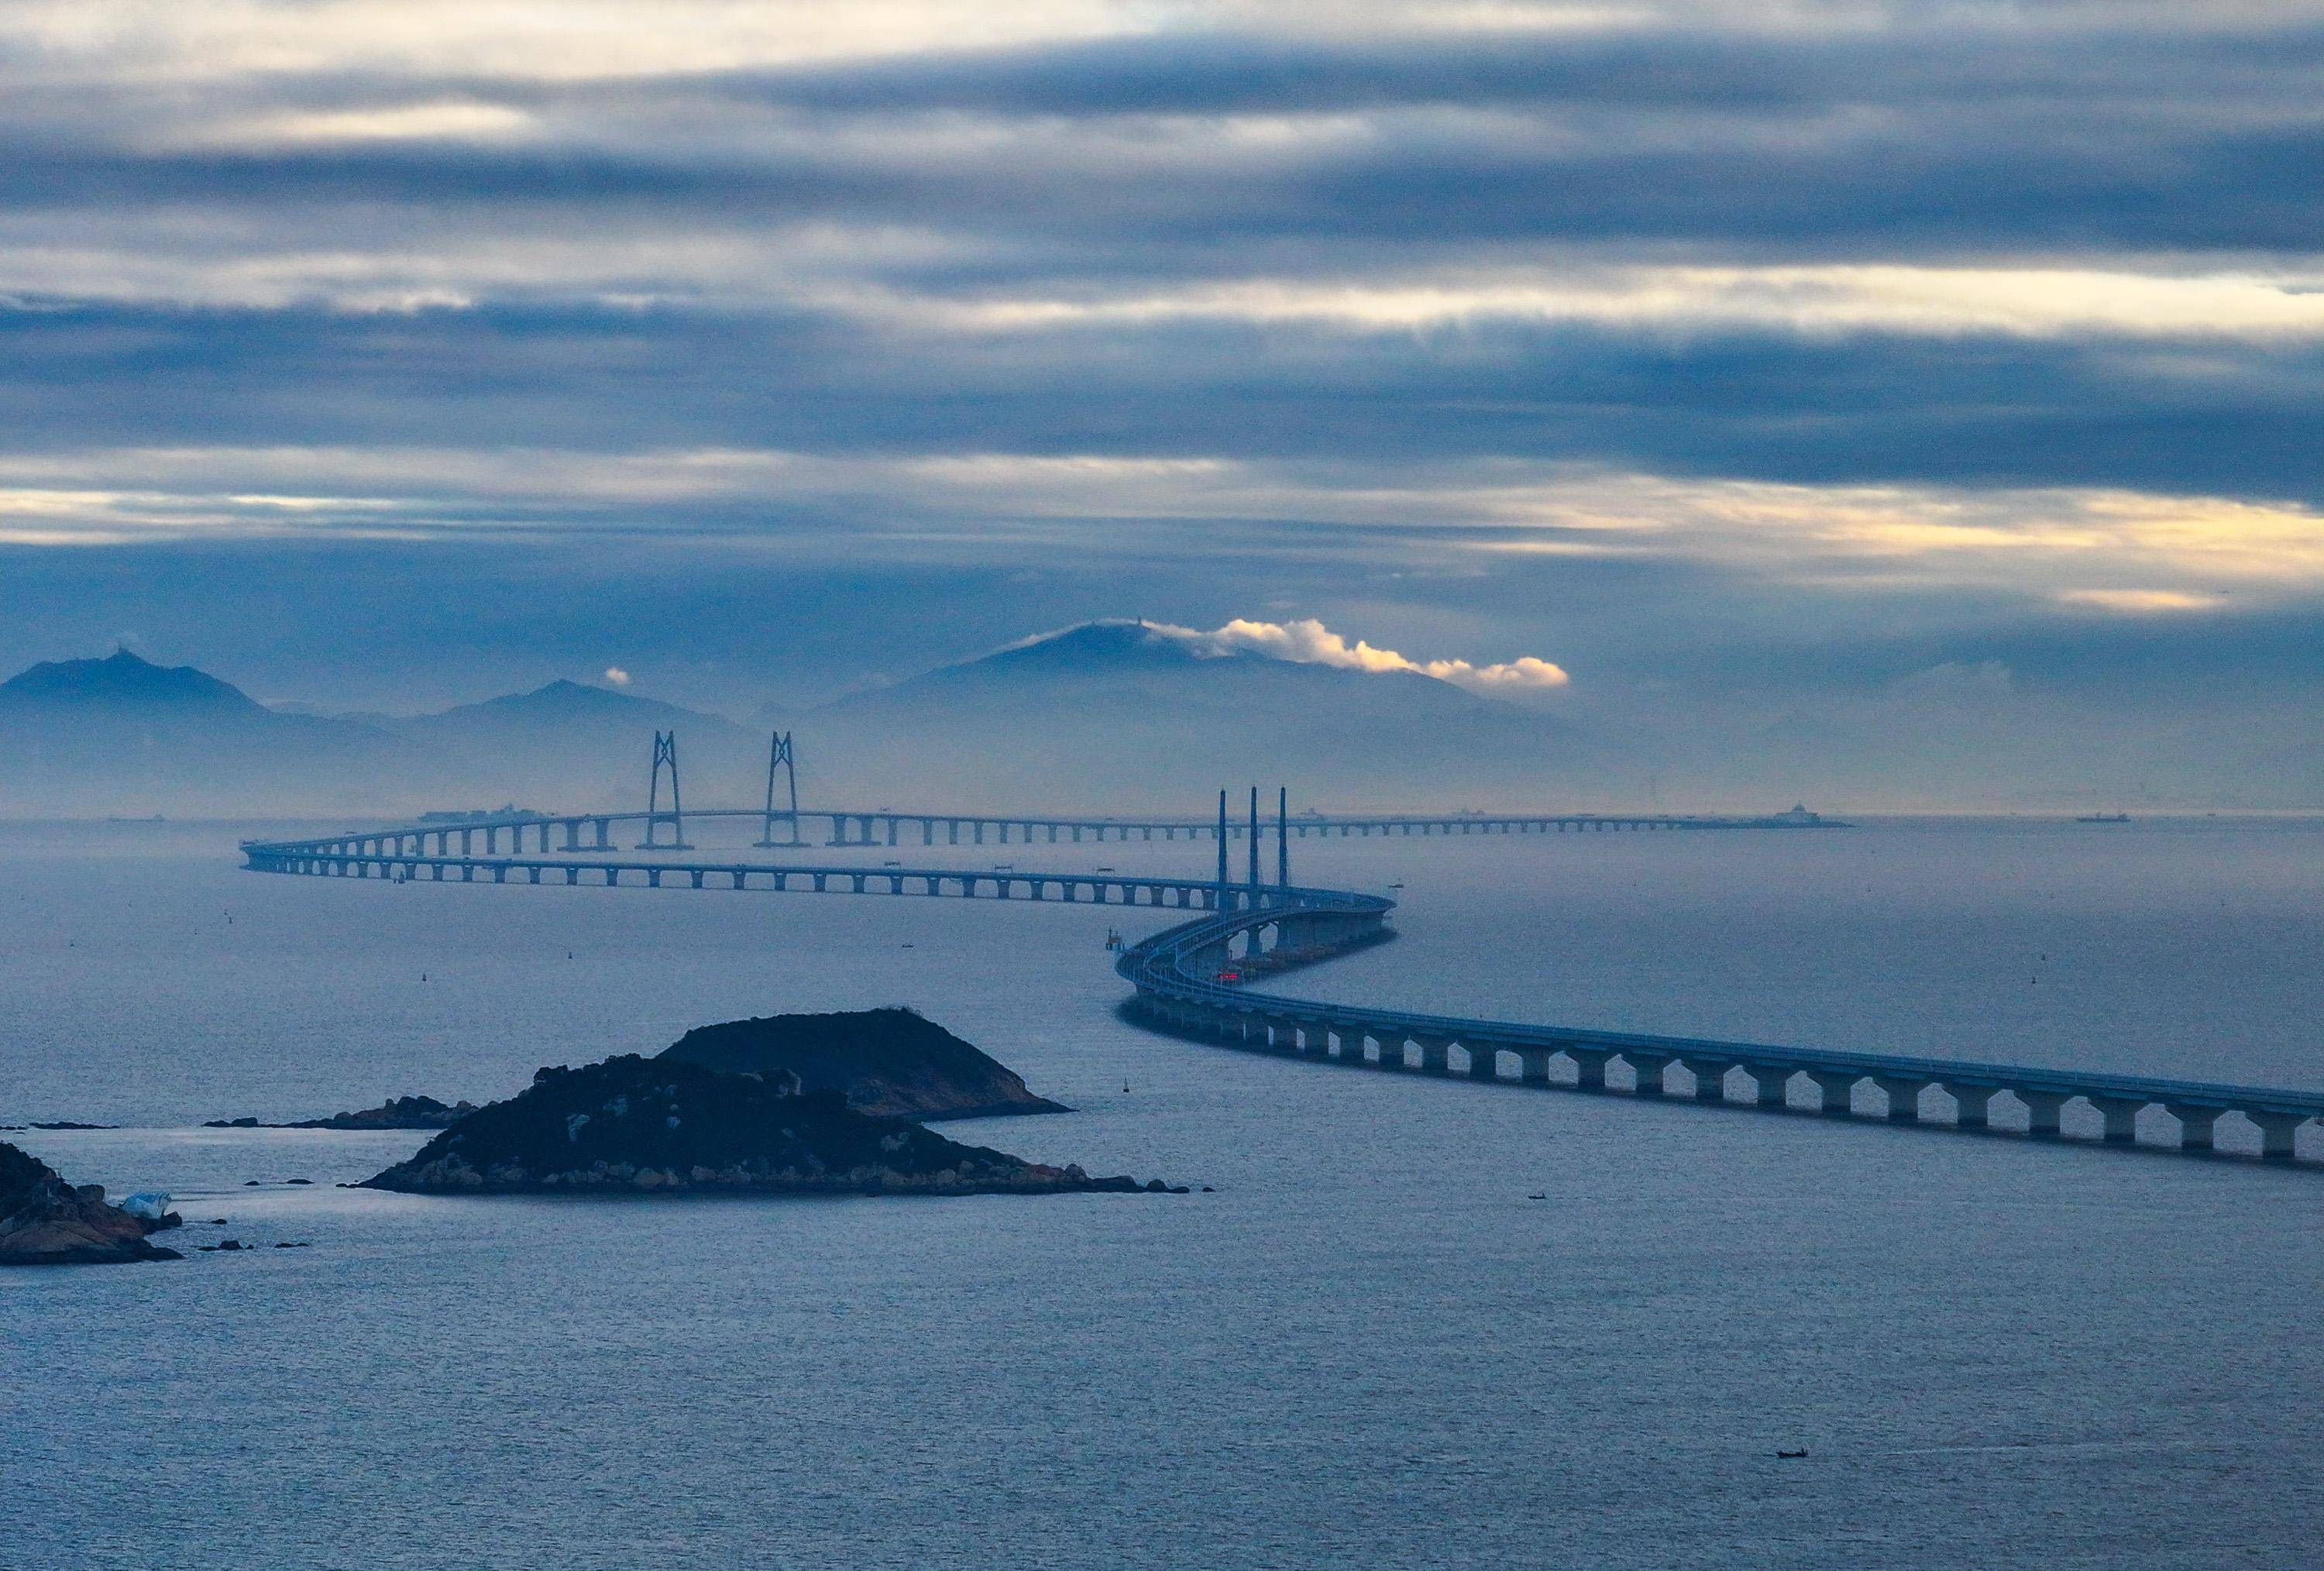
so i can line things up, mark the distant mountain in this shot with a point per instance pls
(121, 683)
(571, 742)
(124, 735)
(1106, 715)
(1126, 714)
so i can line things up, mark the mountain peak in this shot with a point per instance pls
(124, 679)
(1103, 643)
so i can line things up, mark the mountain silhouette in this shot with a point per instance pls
(1135, 716)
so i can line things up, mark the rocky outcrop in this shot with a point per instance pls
(45, 1220)
(395, 1112)
(632, 1125)
(891, 1063)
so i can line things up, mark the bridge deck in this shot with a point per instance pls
(1175, 974)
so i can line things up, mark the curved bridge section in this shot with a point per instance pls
(1193, 978)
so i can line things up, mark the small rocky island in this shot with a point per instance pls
(662, 1125)
(395, 1112)
(45, 1220)
(891, 1063)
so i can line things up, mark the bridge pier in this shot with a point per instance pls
(1972, 1104)
(1590, 1068)
(1904, 1094)
(1710, 1077)
(2121, 1115)
(1771, 1084)
(1435, 1055)
(1835, 1091)
(1532, 1065)
(2042, 1112)
(1392, 1054)
(2195, 1125)
(1484, 1061)
(2276, 1133)
(1648, 1067)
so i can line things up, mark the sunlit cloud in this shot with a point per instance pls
(438, 122)
(539, 40)
(2138, 601)
(2028, 302)
(1309, 641)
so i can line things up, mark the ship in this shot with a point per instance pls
(2103, 818)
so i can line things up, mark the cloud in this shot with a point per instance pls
(617, 675)
(1960, 681)
(2026, 301)
(1309, 641)
(2138, 602)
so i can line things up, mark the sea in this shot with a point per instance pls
(1400, 1322)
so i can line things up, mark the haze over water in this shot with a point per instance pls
(1367, 1345)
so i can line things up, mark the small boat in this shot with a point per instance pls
(2103, 818)
(1792, 1455)
(1536, 1197)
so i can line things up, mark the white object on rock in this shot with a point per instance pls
(148, 1204)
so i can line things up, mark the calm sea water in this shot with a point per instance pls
(1368, 1347)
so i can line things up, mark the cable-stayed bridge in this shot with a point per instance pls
(1195, 978)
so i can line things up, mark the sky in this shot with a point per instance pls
(1796, 372)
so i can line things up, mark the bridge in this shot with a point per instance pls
(1192, 979)
(583, 832)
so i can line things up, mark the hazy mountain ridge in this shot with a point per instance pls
(122, 736)
(1106, 714)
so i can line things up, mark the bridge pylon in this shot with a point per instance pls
(665, 752)
(1222, 850)
(779, 754)
(1283, 837)
(1254, 837)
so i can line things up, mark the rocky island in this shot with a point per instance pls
(45, 1220)
(395, 1112)
(891, 1063)
(633, 1124)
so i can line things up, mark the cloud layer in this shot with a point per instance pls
(1798, 346)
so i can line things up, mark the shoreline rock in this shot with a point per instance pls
(889, 1063)
(634, 1125)
(45, 1220)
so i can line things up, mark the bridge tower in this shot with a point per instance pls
(779, 754)
(1283, 835)
(1254, 837)
(1222, 847)
(665, 752)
